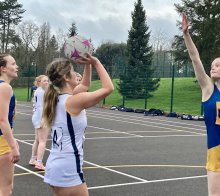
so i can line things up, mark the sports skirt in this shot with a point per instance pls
(213, 159)
(36, 120)
(62, 170)
(4, 147)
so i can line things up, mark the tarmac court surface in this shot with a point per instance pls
(125, 154)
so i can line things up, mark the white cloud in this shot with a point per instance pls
(101, 19)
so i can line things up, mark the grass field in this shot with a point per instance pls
(187, 96)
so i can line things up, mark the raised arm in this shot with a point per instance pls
(81, 101)
(203, 79)
(86, 80)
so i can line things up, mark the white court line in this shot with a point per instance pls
(127, 137)
(151, 131)
(34, 140)
(115, 131)
(122, 137)
(144, 121)
(105, 168)
(134, 136)
(107, 132)
(24, 105)
(115, 171)
(94, 127)
(17, 134)
(124, 184)
(125, 114)
(112, 118)
(24, 113)
(180, 130)
(32, 172)
(116, 185)
(148, 136)
(150, 181)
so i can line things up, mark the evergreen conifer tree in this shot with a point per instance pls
(137, 81)
(204, 21)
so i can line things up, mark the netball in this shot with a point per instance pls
(77, 46)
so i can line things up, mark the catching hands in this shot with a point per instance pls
(87, 60)
(185, 23)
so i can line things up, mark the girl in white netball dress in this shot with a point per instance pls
(41, 132)
(64, 111)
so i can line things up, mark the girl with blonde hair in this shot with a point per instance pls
(41, 132)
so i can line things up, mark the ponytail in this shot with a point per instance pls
(50, 103)
(55, 71)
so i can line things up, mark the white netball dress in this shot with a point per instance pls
(64, 164)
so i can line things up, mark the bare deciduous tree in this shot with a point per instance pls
(29, 32)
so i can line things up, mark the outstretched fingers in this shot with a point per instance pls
(82, 60)
(185, 23)
(87, 59)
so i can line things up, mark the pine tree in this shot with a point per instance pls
(10, 14)
(52, 49)
(137, 81)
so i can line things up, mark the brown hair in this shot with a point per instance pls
(55, 71)
(3, 61)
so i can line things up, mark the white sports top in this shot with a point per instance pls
(68, 131)
(38, 103)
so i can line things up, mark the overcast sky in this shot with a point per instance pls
(102, 20)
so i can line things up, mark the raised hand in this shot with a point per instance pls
(87, 60)
(185, 23)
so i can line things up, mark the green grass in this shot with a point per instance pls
(187, 96)
(21, 93)
(186, 99)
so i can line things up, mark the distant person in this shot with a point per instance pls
(65, 102)
(210, 87)
(41, 132)
(79, 77)
(9, 150)
(33, 88)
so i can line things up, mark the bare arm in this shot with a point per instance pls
(80, 101)
(86, 80)
(203, 79)
(5, 96)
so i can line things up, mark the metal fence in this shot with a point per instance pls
(163, 69)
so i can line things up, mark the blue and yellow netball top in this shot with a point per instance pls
(11, 110)
(212, 120)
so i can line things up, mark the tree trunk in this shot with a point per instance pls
(3, 37)
(8, 27)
